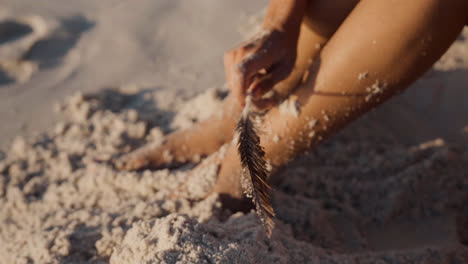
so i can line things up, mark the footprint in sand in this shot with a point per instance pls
(28, 44)
(17, 36)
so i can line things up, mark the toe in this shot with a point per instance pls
(131, 162)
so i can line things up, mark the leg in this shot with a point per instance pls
(321, 20)
(189, 145)
(376, 53)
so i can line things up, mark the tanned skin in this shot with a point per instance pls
(336, 59)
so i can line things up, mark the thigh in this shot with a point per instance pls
(321, 20)
(380, 48)
(325, 16)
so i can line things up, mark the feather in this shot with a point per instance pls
(254, 165)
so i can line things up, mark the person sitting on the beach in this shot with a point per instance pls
(333, 61)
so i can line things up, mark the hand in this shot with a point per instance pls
(260, 63)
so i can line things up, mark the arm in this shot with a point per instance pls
(285, 15)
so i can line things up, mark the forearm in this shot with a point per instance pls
(285, 15)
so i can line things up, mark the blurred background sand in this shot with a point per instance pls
(88, 45)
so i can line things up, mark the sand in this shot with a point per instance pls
(391, 188)
(63, 48)
(359, 198)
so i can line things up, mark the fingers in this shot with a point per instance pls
(241, 68)
(256, 60)
(264, 83)
(243, 63)
(260, 64)
(259, 53)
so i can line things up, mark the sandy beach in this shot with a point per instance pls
(83, 82)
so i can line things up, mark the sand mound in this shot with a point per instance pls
(361, 198)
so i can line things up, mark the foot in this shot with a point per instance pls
(178, 148)
(149, 156)
(190, 145)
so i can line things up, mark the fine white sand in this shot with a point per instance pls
(388, 189)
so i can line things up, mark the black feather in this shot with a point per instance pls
(253, 164)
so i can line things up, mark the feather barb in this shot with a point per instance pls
(254, 165)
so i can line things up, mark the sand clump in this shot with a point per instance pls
(61, 201)
(60, 197)
(290, 106)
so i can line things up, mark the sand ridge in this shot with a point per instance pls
(62, 202)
